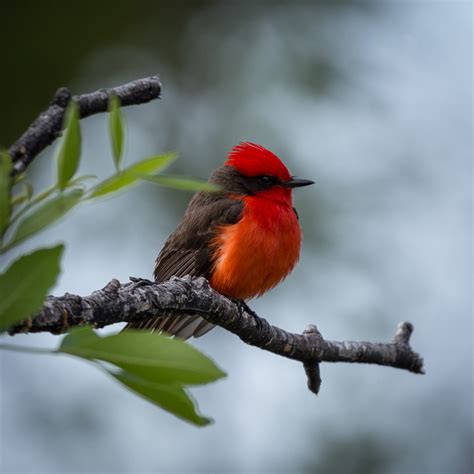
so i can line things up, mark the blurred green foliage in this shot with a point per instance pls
(25, 284)
(156, 367)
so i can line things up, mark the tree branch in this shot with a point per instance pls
(142, 299)
(47, 127)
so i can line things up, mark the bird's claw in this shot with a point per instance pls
(139, 282)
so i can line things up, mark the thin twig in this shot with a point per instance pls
(47, 127)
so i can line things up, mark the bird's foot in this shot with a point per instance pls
(243, 307)
(138, 282)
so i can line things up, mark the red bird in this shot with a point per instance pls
(244, 239)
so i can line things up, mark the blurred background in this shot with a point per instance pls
(373, 101)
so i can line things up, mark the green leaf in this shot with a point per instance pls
(45, 214)
(78, 336)
(5, 189)
(70, 149)
(155, 366)
(172, 398)
(185, 184)
(154, 357)
(25, 284)
(131, 175)
(116, 129)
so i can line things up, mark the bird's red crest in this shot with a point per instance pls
(251, 159)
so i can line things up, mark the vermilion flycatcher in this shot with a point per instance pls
(244, 239)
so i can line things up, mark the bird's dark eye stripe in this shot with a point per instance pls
(267, 180)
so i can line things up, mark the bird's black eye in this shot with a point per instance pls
(267, 180)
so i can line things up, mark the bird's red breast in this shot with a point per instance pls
(260, 250)
(254, 254)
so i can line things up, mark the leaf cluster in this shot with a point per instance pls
(156, 367)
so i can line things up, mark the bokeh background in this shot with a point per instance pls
(373, 101)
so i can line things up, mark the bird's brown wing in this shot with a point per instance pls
(187, 252)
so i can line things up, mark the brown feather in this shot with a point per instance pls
(187, 252)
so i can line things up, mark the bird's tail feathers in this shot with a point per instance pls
(183, 326)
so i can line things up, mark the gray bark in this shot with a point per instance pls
(141, 299)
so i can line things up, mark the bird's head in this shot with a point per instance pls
(251, 169)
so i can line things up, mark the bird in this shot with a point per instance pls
(244, 239)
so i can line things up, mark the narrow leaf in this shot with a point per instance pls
(5, 190)
(154, 357)
(182, 183)
(129, 176)
(45, 215)
(152, 165)
(172, 398)
(116, 129)
(25, 284)
(69, 150)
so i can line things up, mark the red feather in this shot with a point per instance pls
(255, 254)
(251, 159)
(260, 250)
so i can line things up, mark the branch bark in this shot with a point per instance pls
(48, 125)
(141, 299)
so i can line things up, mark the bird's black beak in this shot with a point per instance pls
(297, 182)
